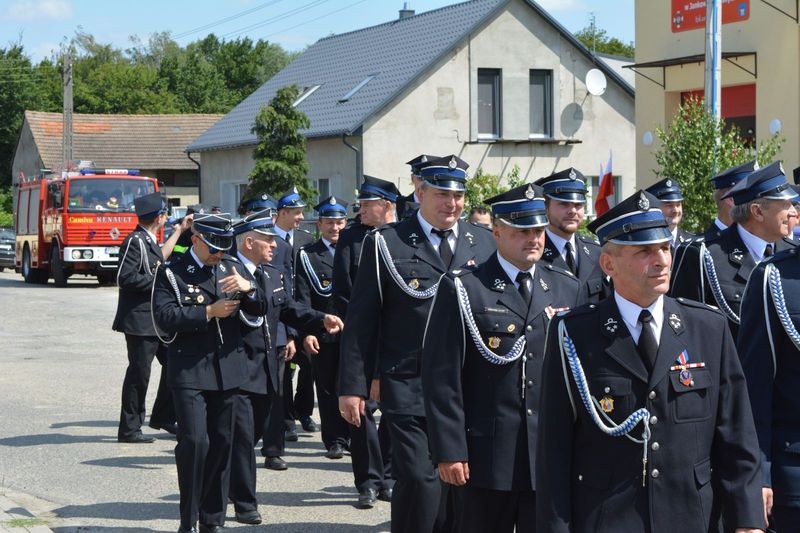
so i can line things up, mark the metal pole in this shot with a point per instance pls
(713, 78)
(66, 137)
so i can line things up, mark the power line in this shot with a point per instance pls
(268, 21)
(226, 19)
(315, 19)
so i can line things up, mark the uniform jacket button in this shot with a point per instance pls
(652, 395)
(655, 473)
(653, 420)
(529, 328)
(530, 412)
(655, 446)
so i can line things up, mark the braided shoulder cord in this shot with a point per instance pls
(325, 292)
(778, 298)
(513, 354)
(593, 406)
(171, 279)
(145, 262)
(713, 283)
(252, 323)
(398, 279)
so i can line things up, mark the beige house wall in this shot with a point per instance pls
(438, 113)
(774, 37)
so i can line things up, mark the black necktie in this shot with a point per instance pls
(648, 347)
(768, 250)
(445, 252)
(333, 245)
(288, 239)
(570, 258)
(524, 290)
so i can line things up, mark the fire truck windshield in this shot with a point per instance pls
(106, 194)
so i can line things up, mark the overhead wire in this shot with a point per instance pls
(225, 19)
(266, 22)
(314, 19)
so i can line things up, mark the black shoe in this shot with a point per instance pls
(385, 495)
(367, 498)
(249, 517)
(290, 435)
(136, 439)
(335, 451)
(187, 529)
(211, 529)
(308, 424)
(275, 463)
(169, 427)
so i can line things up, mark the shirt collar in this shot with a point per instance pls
(630, 315)
(559, 241)
(755, 245)
(249, 265)
(720, 224)
(197, 259)
(512, 271)
(674, 236)
(427, 226)
(282, 232)
(327, 244)
(155, 239)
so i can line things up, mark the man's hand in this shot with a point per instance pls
(375, 390)
(333, 324)
(456, 473)
(311, 344)
(291, 349)
(234, 283)
(766, 493)
(352, 408)
(221, 309)
(185, 224)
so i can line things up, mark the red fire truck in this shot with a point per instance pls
(75, 222)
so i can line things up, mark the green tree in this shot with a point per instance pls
(599, 41)
(482, 186)
(281, 151)
(689, 153)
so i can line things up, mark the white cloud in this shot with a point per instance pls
(562, 5)
(38, 10)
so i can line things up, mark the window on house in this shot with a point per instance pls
(357, 88)
(307, 91)
(541, 103)
(489, 94)
(324, 188)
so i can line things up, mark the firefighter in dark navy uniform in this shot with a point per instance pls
(382, 341)
(370, 445)
(481, 373)
(141, 256)
(716, 271)
(408, 205)
(255, 242)
(722, 183)
(313, 287)
(195, 301)
(668, 191)
(565, 198)
(646, 422)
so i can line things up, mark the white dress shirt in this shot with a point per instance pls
(197, 259)
(755, 245)
(435, 239)
(249, 265)
(720, 224)
(560, 242)
(630, 315)
(330, 248)
(512, 271)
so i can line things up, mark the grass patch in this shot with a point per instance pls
(24, 522)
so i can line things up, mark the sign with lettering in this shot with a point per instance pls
(691, 14)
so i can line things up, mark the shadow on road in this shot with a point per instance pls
(86, 424)
(142, 463)
(46, 439)
(121, 511)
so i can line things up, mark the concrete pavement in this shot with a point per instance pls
(61, 370)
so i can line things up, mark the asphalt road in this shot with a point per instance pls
(61, 370)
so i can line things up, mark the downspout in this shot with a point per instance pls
(358, 159)
(199, 178)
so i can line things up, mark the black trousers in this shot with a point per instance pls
(787, 519)
(370, 451)
(203, 453)
(141, 351)
(270, 417)
(326, 368)
(498, 511)
(301, 404)
(250, 410)
(420, 502)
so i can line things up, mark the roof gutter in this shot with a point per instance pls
(358, 159)
(199, 178)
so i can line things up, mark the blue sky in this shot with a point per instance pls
(43, 24)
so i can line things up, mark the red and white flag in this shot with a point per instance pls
(605, 192)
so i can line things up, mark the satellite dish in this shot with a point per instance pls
(596, 82)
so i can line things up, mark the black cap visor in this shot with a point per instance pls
(220, 243)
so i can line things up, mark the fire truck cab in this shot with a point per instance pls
(74, 223)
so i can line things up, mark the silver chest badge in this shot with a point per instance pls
(544, 285)
(190, 269)
(499, 284)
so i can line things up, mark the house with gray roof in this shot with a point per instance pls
(500, 83)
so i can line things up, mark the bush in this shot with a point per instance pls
(482, 186)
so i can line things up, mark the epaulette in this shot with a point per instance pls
(584, 309)
(303, 230)
(387, 226)
(469, 269)
(588, 240)
(231, 258)
(698, 305)
(791, 253)
(481, 226)
(563, 271)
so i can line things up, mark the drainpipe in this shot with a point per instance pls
(199, 178)
(358, 159)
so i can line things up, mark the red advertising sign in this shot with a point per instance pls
(691, 14)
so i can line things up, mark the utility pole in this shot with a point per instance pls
(713, 78)
(66, 136)
(594, 32)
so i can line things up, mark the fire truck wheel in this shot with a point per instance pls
(36, 276)
(57, 267)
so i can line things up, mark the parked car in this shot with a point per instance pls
(7, 241)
